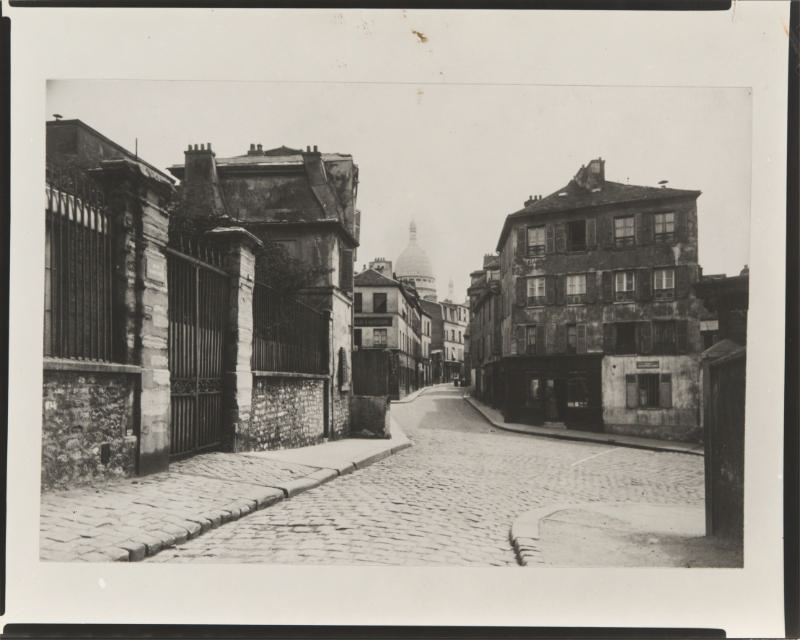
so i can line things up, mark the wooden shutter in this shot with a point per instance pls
(561, 338)
(561, 237)
(608, 286)
(644, 228)
(644, 284)
(521, 293)
(550, 339)
(591, 287)
(644, 338)
(631, 391)
(541, 340)
(561, 283)
(520, 340)
(682, 225)
(682, 335)
(550, 239)
(591, 233)
(609, 337)
(346, 270)
(522, 241)
(581, 333)
(665, 391)
(550, 289)
(682, 281)
(605, 232)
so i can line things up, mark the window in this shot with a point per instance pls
(357, 337)
(577, 393)
(530, 339)
(623, 286)
(357, 302)
(536, 291)
(572, 338)
(576, 288)
(626, 337)
(624, 231)
(664, 337)
(536, 241)
(664, 227)
(664, 284)
(576, 235)
(378, 303)
(648, 391)
(379, 336)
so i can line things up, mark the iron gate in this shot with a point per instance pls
(198, 305)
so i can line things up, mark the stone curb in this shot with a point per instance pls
(146, 544)
(657, 445)
(412, 396)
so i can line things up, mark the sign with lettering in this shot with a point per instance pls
(154, 269)
(647, 364)
(373, 322)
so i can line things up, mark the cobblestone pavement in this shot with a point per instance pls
(448, 500)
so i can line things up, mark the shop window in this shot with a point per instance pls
(624, 288)
(536, 291)
(664, 284)
(378, 303)
(536, 241)
(664, 227)
(626, 337)
(648, 391)
(577, 393)
(576, 235)
(379, 337)
(624, 230)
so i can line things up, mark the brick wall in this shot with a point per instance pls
(286, 413)
(82, 412)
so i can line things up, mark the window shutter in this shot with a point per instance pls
(561, 283)
(644, 228)
(541, 338)
(644, 284)
(609, 337)
(581, 331)
(521, 291)
(591, 233)
(608, 286)
(665, 391)
(520, 340)
(550, 289)
(682, 281)
(682, 337)
(591, 287)
(645, 337)
(561, 237)
(605, 232)
(631, 391)
(522, 240)
(550, 239)
(561, 338)
(550, 339)
(346, 270)
(682, 225)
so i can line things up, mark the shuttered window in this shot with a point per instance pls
(664, 227)
(624, 289)
(624, 231)
(536, 240)
(664, 284)
(648, 391)
(536, 294)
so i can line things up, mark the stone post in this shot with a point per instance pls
(240, 246)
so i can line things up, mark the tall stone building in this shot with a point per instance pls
(599, 320)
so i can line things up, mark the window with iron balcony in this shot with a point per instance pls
(624, 289)
(664, 284)
(536, 291)
(624, 231)
(576, 289)
(664, 227)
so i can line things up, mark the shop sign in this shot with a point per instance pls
(373, 322)
(647, 364)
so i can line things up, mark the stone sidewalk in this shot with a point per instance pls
(129, 519)
(496, 419)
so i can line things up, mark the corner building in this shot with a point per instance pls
(600, 325)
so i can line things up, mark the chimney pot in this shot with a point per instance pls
(315, 148)
(252, 147)
(308, 148)
(208, 146)
(259, 147)
(190, 148)
(202, 147)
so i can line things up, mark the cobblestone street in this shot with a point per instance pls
(448, 500)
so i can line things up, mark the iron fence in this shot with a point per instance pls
(78, 305)
(288, 336)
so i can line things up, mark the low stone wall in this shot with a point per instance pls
(677, 433)
(341, 427)
(369, 416)
(286, 413)
(87, 427)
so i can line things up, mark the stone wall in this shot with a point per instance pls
(87, 427)
(286, 413)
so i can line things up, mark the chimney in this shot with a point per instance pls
(593, 176)
(530, 201)
(200, 164)
(255, 150)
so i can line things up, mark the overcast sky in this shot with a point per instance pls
(455, 157)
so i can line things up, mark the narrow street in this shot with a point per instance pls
(448, 500)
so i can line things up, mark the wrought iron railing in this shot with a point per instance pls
(288, 336)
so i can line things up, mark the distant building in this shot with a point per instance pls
(414, 266)
(600, 325)
(485, 349)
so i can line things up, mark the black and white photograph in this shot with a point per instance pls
(447, 321)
